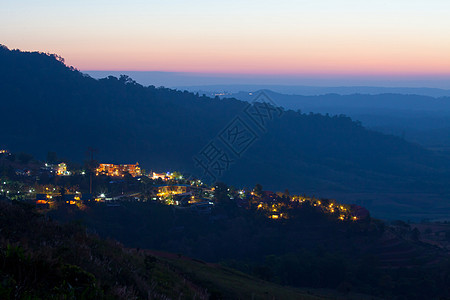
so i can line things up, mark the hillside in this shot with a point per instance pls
(420, 119)
(41, 259)
(358, 103)
(47, 106)
(308, 250)
(318, 246)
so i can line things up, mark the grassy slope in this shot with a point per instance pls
(312, 252)
(44, 260)
(226, 283)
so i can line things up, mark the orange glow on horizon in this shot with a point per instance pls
(295, 55)
(307, 64)
(349, 37)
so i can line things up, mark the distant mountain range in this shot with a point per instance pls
(47, 106)
(355, 103)
(421, 119)
(315, 90)
(211, 84)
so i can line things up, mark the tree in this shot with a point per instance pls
(258, 190)
(177, 175)
(62, 191)
(415, 234)
(223, 202)
(221, 192)
(25, 158)
(146, 188)
(126, 79)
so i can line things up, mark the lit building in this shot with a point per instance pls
(167, 190)
(61, 170)
(108, 169)
(43, 198)
(134, 170)
(118, 170)
(163, 176)
(71, 199)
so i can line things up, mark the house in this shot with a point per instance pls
(268, 196)
(202, 208)
(118, 170)
(182, 199)
(71, 199)
(166, 190)
(86, 197)
(61, 170)
(42, 198)
(23, 172)
(163, 176)
(359, 212)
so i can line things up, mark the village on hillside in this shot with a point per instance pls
(49, 185)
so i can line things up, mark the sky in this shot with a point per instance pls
(407, 41)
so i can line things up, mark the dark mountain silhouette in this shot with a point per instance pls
(47, 106)
(421, 119)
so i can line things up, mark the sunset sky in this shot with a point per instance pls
(395, 38)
